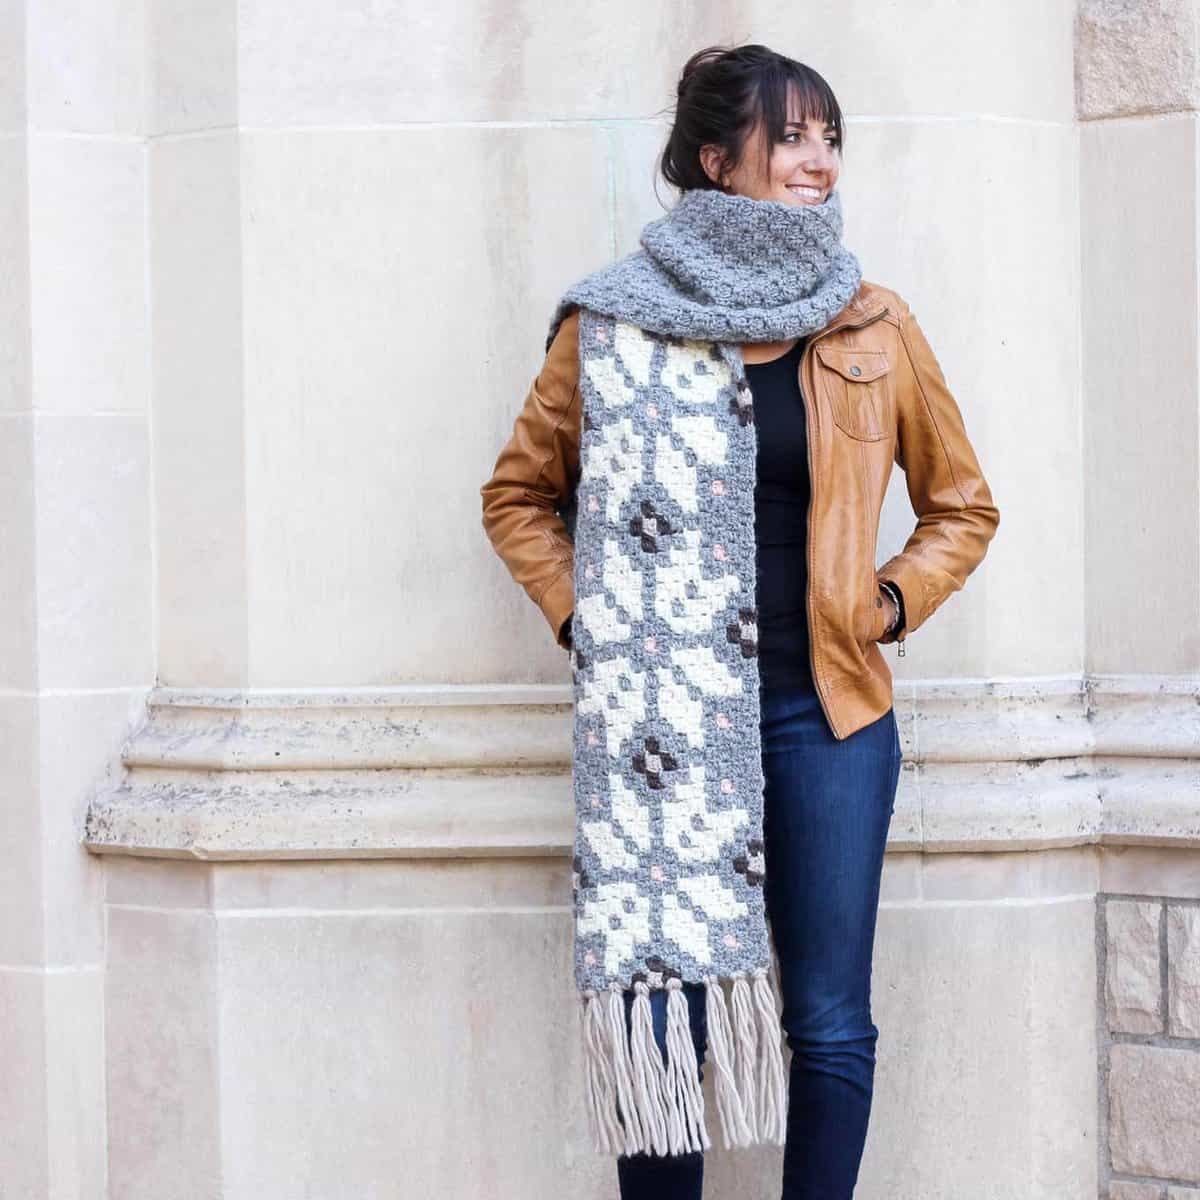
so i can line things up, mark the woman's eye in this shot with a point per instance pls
(831, 140)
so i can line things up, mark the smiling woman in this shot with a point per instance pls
(721, 410)
(781, 139)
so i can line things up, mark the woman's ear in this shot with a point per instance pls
(712, 159)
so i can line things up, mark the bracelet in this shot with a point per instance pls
(894, 592)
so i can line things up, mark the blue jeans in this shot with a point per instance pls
(827, 808)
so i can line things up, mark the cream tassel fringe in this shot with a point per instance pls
(638, 1104)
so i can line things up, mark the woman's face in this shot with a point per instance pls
(804, 165)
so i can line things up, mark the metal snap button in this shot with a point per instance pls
(856, 370)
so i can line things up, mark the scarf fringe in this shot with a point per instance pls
(637, 1103)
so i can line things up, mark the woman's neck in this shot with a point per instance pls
(761, 352)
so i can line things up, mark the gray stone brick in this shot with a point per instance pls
(1183, 971)
(1154, 1116)
(1122, 1190)
(1132, 984)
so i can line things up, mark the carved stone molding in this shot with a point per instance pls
(486, 771)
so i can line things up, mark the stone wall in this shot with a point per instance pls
(1149, 956)
(284, 861)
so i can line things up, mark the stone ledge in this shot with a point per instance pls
(485, 771)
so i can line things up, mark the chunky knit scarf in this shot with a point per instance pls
(667, 773)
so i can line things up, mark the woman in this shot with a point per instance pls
(691, 495)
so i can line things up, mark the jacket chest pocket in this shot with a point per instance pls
(858, 386)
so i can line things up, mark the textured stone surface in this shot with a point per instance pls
(1121, 1189)
(1183, 970)
(1154, 1119)
(1133, 57)
(1183, 1193)
(1132, 980)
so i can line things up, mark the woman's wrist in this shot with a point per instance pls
(896, 619)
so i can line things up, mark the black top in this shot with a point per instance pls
(781, 498)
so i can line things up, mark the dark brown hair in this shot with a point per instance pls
(723, 91)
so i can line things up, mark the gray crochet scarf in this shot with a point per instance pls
(666, 769)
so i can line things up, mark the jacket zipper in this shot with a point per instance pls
(809, 405)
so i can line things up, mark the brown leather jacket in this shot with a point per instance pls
(874, 394)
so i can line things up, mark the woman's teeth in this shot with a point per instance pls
(809, 193)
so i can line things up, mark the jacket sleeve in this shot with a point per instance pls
(956, 517)
(535, 476)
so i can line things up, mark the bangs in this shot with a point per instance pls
(778, 83)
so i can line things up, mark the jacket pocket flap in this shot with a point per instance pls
(858, 366)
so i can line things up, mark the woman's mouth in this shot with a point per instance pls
(805, 192)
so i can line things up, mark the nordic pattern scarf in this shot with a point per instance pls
(667, 774)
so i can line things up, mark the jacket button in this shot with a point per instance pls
(856, 370)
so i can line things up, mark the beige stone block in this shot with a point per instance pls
(93, 552)
(75, 1084)
(1133, 991)
(987, 1051)
(1183, 970)
(199, 421)
(131, 880)
(386, 345)
(87, 237)
(1137, 455)
(475, 63)
(162, 1050)
(461, 1023)
(1154, 1121)
(901, 879)
(12, 68)
(1135, 58)
(1012, 874)
(191, 65)
(80, 738)
(23, 1094)
(426, 885)
(861, 50)
(22, 870)
(1128, 1190)
(18, 553)
(1182, 1193)
(86, 65)
(15, 368)
(1162, 870)
(394, 62)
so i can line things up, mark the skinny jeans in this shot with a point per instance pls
(827, 808)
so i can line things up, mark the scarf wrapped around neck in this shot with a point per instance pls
(728, 268)
(667, 776)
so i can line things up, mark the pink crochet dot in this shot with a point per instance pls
(652, 410)
(718, 487)
(651, 644)
(590, 958)
(727, 786)
(595, 799)
(718, 551)
(592, 739)
(601, 335)
(730, 941)
(723, 722)
(656, 872)
(593, 504)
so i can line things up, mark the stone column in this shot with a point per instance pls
(1137, 92)
(76, 602)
